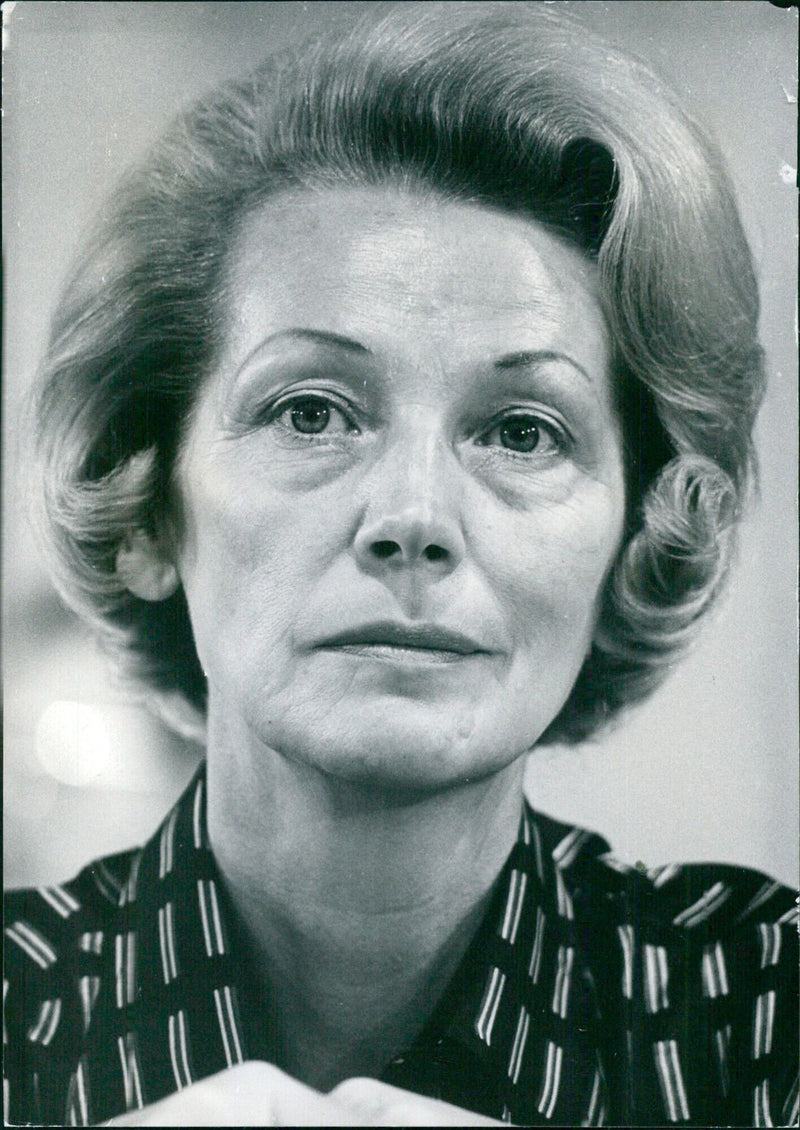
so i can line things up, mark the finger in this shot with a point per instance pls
(251, 1094)
(380, 1104)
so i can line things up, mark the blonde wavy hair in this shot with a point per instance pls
(511, 105)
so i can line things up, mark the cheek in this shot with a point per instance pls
(248, 550)
(552, 566)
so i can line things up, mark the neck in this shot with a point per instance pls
(358, 902)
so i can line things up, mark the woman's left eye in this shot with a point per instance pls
(523, 433)
(312, 416)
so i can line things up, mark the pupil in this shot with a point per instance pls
(520, 434)
(311, 416)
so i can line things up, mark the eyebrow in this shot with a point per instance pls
(523, 359)
(528, 359)
(318, 337)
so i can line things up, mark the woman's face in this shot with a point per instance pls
(402, 488)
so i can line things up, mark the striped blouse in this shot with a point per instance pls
(592, 994)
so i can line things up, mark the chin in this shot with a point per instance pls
(408, 755)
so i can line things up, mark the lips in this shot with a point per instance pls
(410, 637)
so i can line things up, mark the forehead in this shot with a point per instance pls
(400, 267)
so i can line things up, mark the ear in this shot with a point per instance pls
(144, 569)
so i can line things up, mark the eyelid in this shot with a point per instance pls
(274, 409)
(558, 430)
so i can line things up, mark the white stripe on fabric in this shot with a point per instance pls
(762, 1115)
(201, 898)
(228, 1026)
(670, 1077)
(179, 1049)
(88, 988)
(791, 915)
(710, 901)
(230, 1002)
(763, 1024)
(525, 828)
(766, 891)
(107, 884)
(210, 916)
(166, 938)
(626, 941)
(594, 1101)
(130, 968)
(125, 968)
(129, 891)
(722, 1040)
(83, 1101)
(538, 944)
(656, 977)
(518, 1047)
(77, 1101)
(180, 1082)
(166, 846)
(60, 900)
(714, 971)
(162, 945)
(127, 1087)
(183, 1044)
(563, 897)
(91, 942)
(662, 875)
(171, 950)
(680, 1089)
(197, 812)
(489, 1006)
(791, 1108)
(32, 942)
(44, 1027)
(552, 1079)
(223, 1030)
(129, 1062)
(537, 845)
(514, 904)
(566, 957)
(119, 959)
(565, 853)
(215, 917)
(133, 1060)
(770, 936)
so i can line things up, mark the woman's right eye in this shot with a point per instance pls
(312, 416)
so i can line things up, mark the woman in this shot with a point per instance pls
(399, 420)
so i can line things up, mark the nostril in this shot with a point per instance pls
(385, 548)
(435, 552)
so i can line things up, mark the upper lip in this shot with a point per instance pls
(430, 637)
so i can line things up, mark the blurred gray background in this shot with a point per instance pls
(708, 768)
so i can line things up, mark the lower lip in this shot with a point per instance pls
(407, 656)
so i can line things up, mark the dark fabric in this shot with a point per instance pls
(592, 994)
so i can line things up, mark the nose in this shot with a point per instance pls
(412, 517)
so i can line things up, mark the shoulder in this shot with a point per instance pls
(728, 931)
(695, 965)
(695, 899)
(56, 938)
(39, 922)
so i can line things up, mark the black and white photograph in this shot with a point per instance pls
(400, 532)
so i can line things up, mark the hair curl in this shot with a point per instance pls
(505, 104)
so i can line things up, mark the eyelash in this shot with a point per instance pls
(276, 414)
(541, 423)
